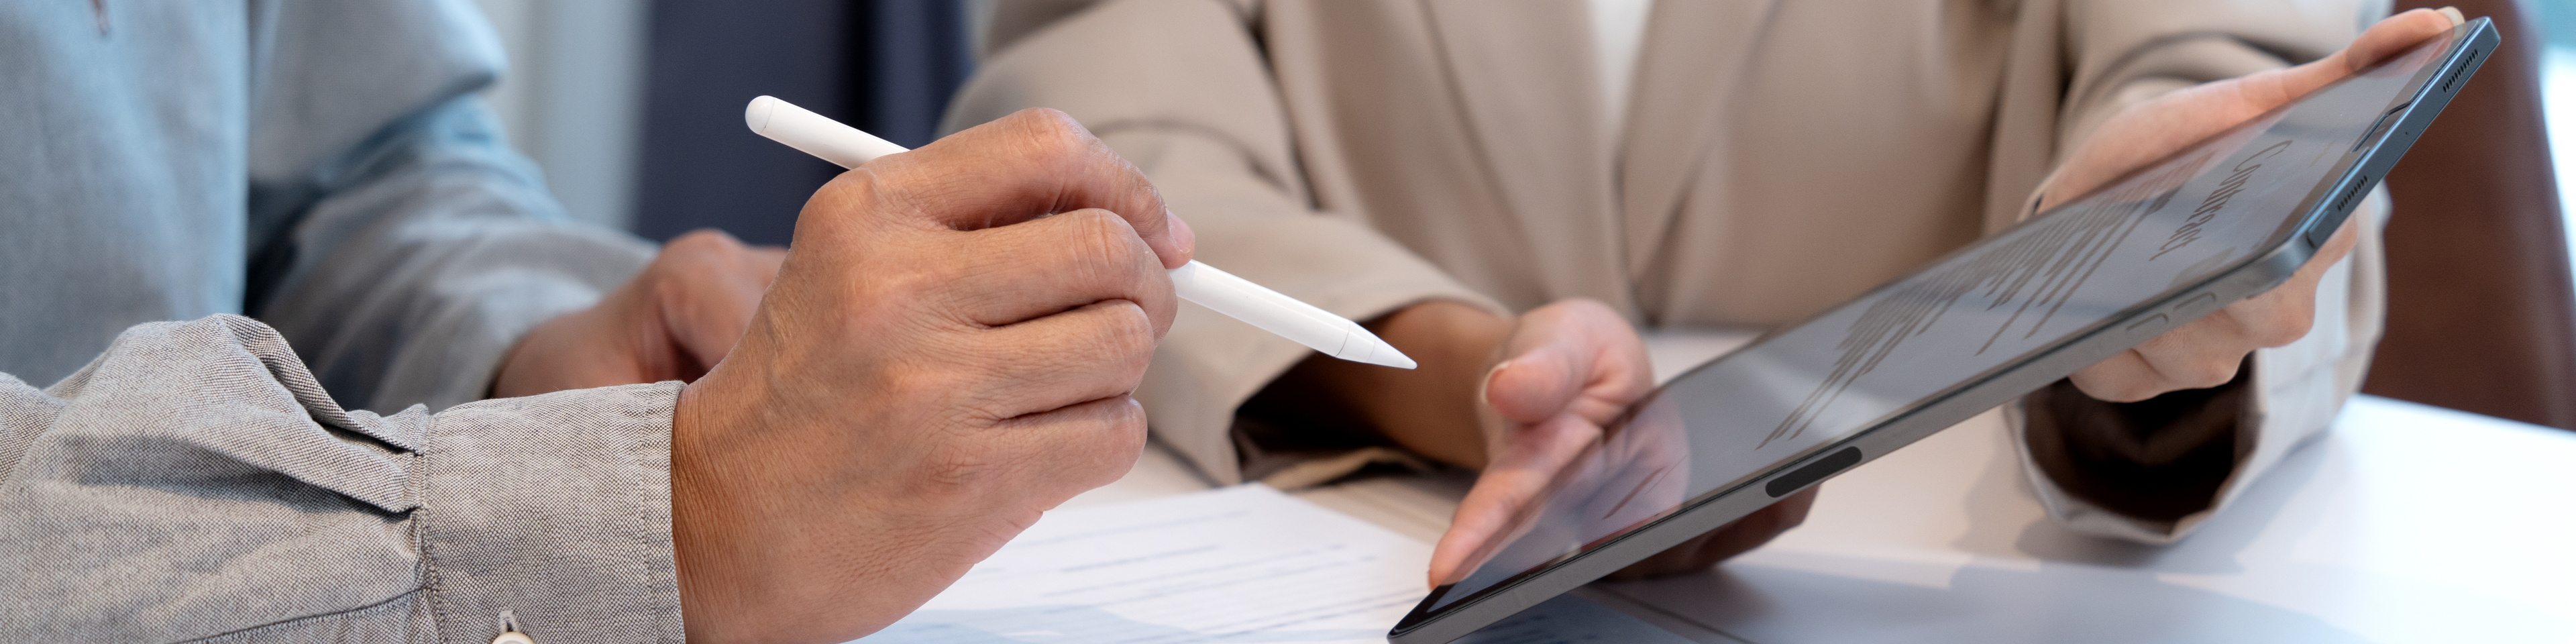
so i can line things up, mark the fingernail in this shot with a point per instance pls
(1183, 238)
(2454, 14)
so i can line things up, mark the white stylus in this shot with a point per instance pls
(1220, 291)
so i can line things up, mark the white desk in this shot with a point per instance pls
(2405, 523)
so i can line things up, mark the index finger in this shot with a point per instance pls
(2162, 125)
(1031, 164)
(2388, 37)
(1506, 496)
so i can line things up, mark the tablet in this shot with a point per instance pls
(2226, 218)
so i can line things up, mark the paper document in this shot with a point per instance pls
(1239, 564)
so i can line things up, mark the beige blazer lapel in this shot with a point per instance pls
(1693, 52)
(2026, 115)
(1528, 90)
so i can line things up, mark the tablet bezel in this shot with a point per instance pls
(2327, 205)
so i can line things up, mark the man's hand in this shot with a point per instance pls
(2206, 352)
(682, 314)
(947, 352)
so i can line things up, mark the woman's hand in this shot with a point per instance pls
(2206, 352)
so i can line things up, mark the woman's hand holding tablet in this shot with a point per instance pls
(2205, 353)
(1564, 372)
(1569, 371)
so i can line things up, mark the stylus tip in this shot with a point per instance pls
(1376, 351)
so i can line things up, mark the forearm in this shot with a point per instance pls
(408, 282)
(194, 482)
(393, 235)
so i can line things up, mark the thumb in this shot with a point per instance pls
(1561, 352)
(708, 321)
(1538, 384)
(708, 287)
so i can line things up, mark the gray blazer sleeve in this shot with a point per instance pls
(194, 483)
(394, 237)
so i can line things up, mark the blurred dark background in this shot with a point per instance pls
(887, 67)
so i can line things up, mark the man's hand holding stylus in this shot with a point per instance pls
(940, 360)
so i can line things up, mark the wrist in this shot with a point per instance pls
(1431, 410)
(611, 342)
(523, 369)
(716, 579)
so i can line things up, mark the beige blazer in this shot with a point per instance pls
(1778, 157)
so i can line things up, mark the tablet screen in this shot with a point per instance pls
(2020, 293)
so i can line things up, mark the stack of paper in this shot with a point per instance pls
(1240, 564)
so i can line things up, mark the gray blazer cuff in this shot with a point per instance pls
(556, 508)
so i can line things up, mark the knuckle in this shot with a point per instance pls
(1130, 334)
(2209, 372)
(2118, 392)
(1126, 434)
(933, 390)
(702, 240)
(989, 387)
(1590, 307)
(848, 197)
(2134, 392)
(2114, 386)
(1056, 125)
(1128, 245)
(949, 277)
(993, 407)
(911, 285)
(1051, 131)
(2138, 391)
(1106, 228)
(2283, 330)
(1115, 442)
(1127, 423)
(1107, 246)
(954, 467)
